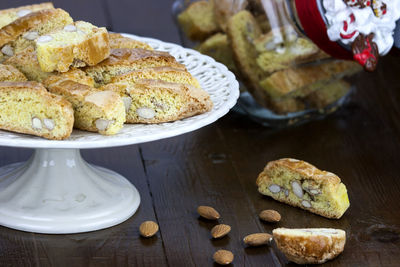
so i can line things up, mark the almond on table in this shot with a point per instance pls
(270, 216)
(220, 230)
(208, 212)
(223, 257)
(257, 239)
(148, 229)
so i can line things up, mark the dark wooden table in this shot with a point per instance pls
(218, 165)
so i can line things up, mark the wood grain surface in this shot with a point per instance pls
(218, 165)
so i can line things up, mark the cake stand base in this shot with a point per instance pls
(57, 192)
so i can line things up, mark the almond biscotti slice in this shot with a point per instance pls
(10, 74)
(286, 105)
(11, 14)
(310, 245)
(224, 9)
(94, 110)
(302, 185)
(26, 62)
(124, 60)
(198, 20)
(299, 51)
(119, 41)
(156, 101)
(76, 45)
(301, 81)
(328, 94)
(27, 107)
(242, 30)
(218, 47)
(22, 32)
(167, 74)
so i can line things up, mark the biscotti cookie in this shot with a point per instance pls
(320, 97)
(300, 51)
(11, 14)
(27, 107)
(27, 63)
(224, 9)
(22, 32)
(302, 185)
(10, 74)
(276, 39)
(124, 60)
(155, 101)
(300, 81)
(119, 41)
(310, 245)
(198, 20)
(217, 47)
(242, 31)
(328, 94)
(76, 45)
(94, 110)
(286, 105)
(167, 74)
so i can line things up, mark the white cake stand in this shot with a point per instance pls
(57, 192)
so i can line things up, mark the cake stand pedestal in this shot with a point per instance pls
(56, 191)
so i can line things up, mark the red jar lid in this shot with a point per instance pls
(314, 26)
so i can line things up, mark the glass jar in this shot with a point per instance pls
(286, 78)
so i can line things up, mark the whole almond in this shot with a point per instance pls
(220, 230)
(208, 212)
(148, 229)
(223, 257)
(270, 216)
(257, 239)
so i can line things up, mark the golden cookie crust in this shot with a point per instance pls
(124, 60)
(27, 63)
(9, 73)
(127, 56)
(23, 24)
(45, 5)
(119, 41)
(315, 246)
(9, 15)
(167, 74)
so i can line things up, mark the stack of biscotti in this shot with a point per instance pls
(238, 34)
(106, 79)
(154, 86)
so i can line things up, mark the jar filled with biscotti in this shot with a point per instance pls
(295, 58)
